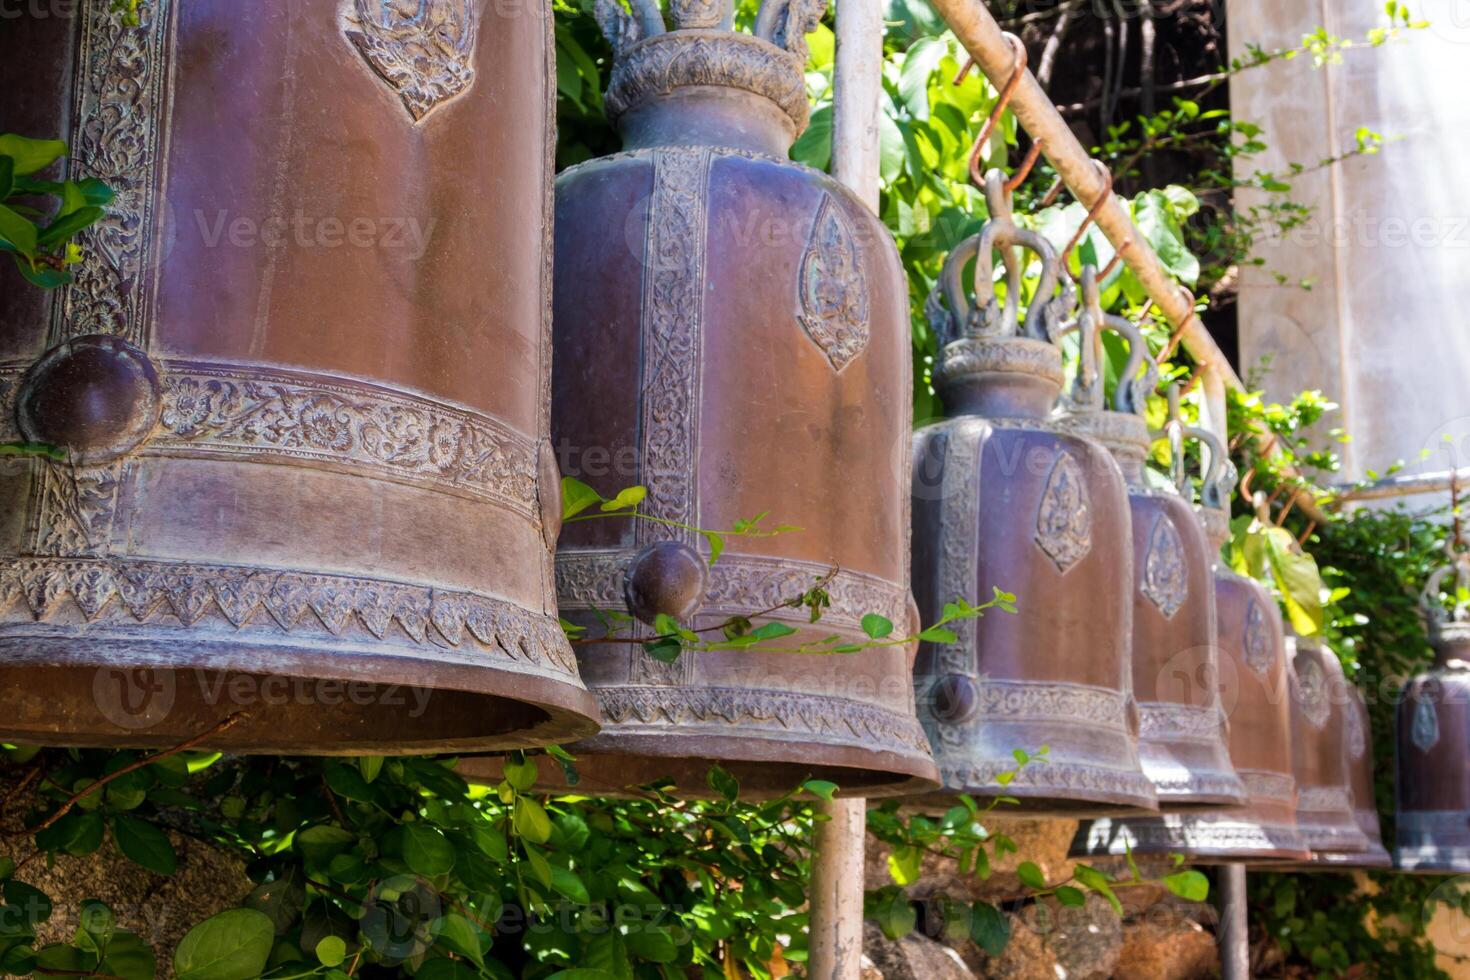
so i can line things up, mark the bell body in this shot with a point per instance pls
(1255, 693)
(1358, 744)
(1326, 814)
(301, 391)
(1005, 496)
(1433, 744)
(732, 333)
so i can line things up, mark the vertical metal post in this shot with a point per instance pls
(836, 941)
(1235, 950)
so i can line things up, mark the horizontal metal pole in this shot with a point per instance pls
(1403, 486)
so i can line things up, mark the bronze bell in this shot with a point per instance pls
(1358, 744)
(1181, 728)
(300, 392)
(734, 327)
(1006, 496)
(1326, 814)
(1255, 695)
(1433, 740)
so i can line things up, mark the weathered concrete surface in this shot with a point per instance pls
(1383, 328)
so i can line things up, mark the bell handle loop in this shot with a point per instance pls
(952, 286)
(1219, 478)
(1429, 598)
(1018, 73)
(1008, 239)
(623, 29)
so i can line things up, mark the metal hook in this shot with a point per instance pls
(1092, 213)
(1018, 72)
(1178, 334)
(1020, 176)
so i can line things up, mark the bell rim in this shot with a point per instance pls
(1283, 842)
(570, 710)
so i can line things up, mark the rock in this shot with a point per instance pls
(1050, 941)
(1044, 842)
(1155, 949)
(914, 957)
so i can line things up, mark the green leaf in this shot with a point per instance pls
(1192, 886)
(877, 627)
(144, 844)
(16, 233)
(7, 176)
(97, 924)
(723, 782)
(7, 868)
(458, 935)
(989, 929)
(905, 864)
(68, 225)
(370, 766)
(1030, 875)
(1071, 897)
(568, 883)
(130, 958)
(935, 634)
(716, 545)
(232, 945)
(320, 843)
(1298, 579)
(626, 499)
(576, 497)
(919, 63)
(426, 850)
(651, 943)
(821, 788)
(33, 904)
(30, 155)
(331, 951)
(530, 820)
(581, 973)
(521, 774)
(896, 916)
(772, 631)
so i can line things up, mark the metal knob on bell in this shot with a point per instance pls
(298, 395)
(1176, 678)
(732, 333)
(1433, 738)
(1255, 694)
(1326, 813)
(1006, 496)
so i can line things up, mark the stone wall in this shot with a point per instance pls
(1159, 937)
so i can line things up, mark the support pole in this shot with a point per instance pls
(983, 38)
(1235, 949)
(836, 940)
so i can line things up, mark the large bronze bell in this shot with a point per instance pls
(1358, 744)
(1326, 814)
(1006, 496)
(732, 333)
(299, 388)
(1255, 695)
(1433, 740)
(1182, 740)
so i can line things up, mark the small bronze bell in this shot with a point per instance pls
(1433, 739)
(1176, 678)
(732, 333)
(1255, 695)
(303, 497)
(1006, 497)
(1326, 814)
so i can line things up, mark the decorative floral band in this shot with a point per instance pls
(116, 590)
(1159, 721)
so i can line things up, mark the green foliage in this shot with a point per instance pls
(38, 217)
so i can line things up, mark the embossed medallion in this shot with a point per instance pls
(1357, 738)
(1424, 730)
(1064, 524)
(1257, 639)
(1165, 577)
(833, 288)
(424, 49)
(1316, 707)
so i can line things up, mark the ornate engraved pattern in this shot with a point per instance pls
(119, 93)
(1184, 782)
(763, 714)
(1424, 727)
(1012, 355)
(112, 590)
(74, 508)
(1312, 683)
(832, 289)
(1191, 834)
(1163, 722)
(960, 527)
(1257, 639)
(1064, 523)
(692, 14)
(1165, 576)
(423, 49)
(9, 387)
(737, 584)
(658, 65)
(1053, 703)
(1268, 787)
(1325, 799)
(1357, 738)
(235, 411)
(1086, 782)
(1435, 823)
